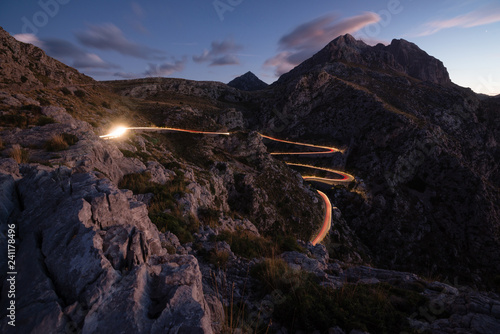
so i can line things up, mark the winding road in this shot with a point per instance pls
(327, 221)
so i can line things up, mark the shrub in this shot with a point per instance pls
(60, 142)
(306, 305)
(32, 107)
(18, 121)
(163, 200)
(44, 120)
(80, 93)
(56, 143)
(43, 101)
(20, 155)
(246, 244)
(70, 138)
(66, 91)
(208, 216)
(167, 222)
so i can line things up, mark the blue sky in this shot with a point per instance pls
(221, 39)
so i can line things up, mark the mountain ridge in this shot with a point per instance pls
(400, 56)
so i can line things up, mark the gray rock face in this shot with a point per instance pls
(93, 261)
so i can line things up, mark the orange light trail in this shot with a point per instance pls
(328, 150)
(327, 223)
(345, 177)
(121, 130)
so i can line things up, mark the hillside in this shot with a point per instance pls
(187, 232)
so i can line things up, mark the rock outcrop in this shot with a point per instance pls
(94, 261)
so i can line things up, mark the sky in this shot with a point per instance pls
(218, 40)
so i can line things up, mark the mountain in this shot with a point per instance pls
(183, 232)
(400, 57)
(426, 149)
(248, 82)
(25, 66)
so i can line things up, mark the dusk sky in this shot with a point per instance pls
(219, 40)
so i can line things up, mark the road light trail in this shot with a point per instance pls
(345, 177)
(328, 150)
(327, 223)
(120, 131)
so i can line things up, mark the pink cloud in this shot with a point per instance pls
(479, 17)
(310, 37)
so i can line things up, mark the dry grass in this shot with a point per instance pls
(56, 143)
(20, 155)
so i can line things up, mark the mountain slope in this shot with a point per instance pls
(430, 163)
(25, 66)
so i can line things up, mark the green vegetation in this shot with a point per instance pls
(143, 156)
(250, 246)
(44, 120)
(43, 101)
(18, 121)
(80, 93)
(306, 305)
(163, 210)
(66, 91)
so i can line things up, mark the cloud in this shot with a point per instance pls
(138, 17)
(308, 38)
(485, 15)
(110, 37)
(29, 39)
(220, 53)
(165, 69)
(126, 75)
(67, 52)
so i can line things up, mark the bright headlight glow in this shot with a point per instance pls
(117, 132)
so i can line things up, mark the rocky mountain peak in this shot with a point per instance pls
(416, 62)
(248, 82)
(400, 56)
